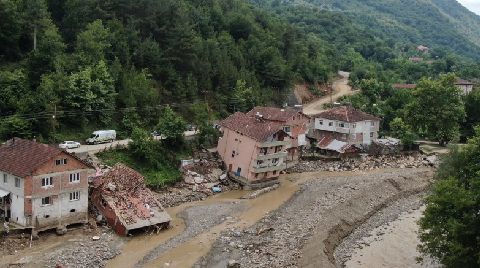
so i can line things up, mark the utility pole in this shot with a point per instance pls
(54, 122)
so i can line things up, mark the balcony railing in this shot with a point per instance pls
(275, 143)
(271, 156)
(269, 168)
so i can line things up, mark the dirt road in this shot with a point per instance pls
(340, 87)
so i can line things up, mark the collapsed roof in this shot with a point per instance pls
(134, 204)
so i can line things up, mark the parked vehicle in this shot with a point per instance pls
(102, 136)
(69, 145)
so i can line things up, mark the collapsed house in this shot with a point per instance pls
(335, 149)
(121, 196)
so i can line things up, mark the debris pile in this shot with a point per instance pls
(367, 163)
(124, 200)
(88, 253)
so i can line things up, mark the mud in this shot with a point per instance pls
(305, 230)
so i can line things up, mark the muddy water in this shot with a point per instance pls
(397, 248)
(186, 254)
(137, 247)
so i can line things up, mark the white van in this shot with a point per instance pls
(102, 136)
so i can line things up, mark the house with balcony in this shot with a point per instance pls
(345, 126)
(42, 187)
(254, 150)
(294, 122)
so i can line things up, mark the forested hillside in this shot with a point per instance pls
(68, 67)
(98, 62)
(435, 23)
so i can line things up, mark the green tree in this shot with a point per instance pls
(450, 227)
(437, 109)
(472, 109)
(171, 126)
(91, 91)
(399, 129)
(243, 98)
(92, 43)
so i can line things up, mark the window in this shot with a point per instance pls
(17, 182)
(354, 136)
(341, 124)
(354, 125)
(330, 124)
(46, 201)
(278, 149)
(275, 172)
(371, 134)
(372, 123)
(233, 153)
(74, 177)
(286, 129)
(320, 122)
(259, 162)
(275, 160)
(5, 178)
(47, 182)
(74, 196)
(239, 170)
(59, 162)
(264, 151)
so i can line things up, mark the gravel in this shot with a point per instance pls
(382, 218)
(320, 208)
(197, 220)
(367, 163)
(85, 253)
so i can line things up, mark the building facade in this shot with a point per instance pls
(465, 86)
(346, 124)
(254, 150)
(42, 187)
(294, 122)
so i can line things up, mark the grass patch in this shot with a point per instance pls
(155, 178)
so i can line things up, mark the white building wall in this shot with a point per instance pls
(17, 206)
(61, 208)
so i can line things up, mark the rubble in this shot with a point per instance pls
(259, 192)
(126, 203)
(85, 253)
(367, 163)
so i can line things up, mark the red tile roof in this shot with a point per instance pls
(257, 129)
(346, 114)
(274, 114)
(125, 191)
(22, 157)
(408, 86)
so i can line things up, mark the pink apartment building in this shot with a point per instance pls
(294, 122)
(253, 149)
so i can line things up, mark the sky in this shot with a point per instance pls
(473, 5)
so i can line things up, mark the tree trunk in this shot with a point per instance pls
(35, 38)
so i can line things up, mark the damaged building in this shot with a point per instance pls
(42, 187)
(254, 150)
(122, 197)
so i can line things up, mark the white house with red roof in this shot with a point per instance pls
(345, 124)
(42, 187)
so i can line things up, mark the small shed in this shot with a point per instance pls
(337, 149)
(121, 196)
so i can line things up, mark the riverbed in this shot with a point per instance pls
(391, 244)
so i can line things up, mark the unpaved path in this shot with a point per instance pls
(340, 88)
